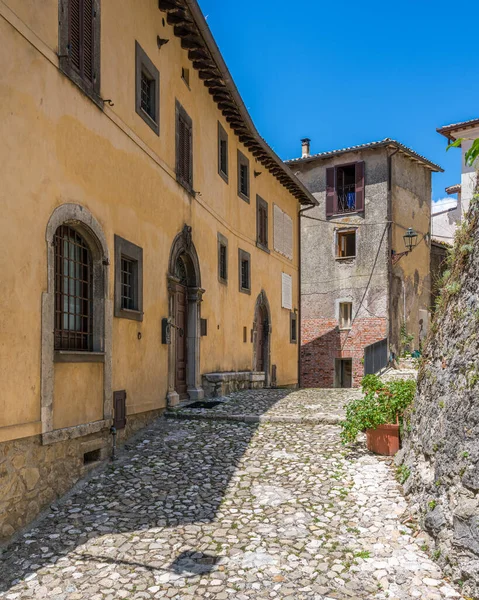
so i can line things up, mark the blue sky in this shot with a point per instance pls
(346, 73)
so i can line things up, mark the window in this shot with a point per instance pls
(261, 223)
(243, 177)
(128, 280)
(293, 327)
(184, 148)
(283, 232)
(346, 244)
(222, 152)
(79, 44)
(245, 335)
(185, 75)
(147, 96)
(222, 258)
(244, 271)
(345, 315)
(203, 327)
(73, 291)
(345, 189)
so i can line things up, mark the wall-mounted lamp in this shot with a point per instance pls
(410, 241)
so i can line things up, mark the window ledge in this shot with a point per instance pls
(223, 176)
(245, 291)
(186, 186)
(73, 356)
(345, 257)
(126, 313)
(263, 247)
(243, 197)
(346, 214)
(344, 328)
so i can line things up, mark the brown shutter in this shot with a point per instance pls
(331, 197)
(88, 15)
(119, 406)
(359, 186)
(74, 12)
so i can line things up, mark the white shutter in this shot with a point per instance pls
(287, 291)
(288, 237)
(278, 228)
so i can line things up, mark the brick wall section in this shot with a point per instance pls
(322, 342)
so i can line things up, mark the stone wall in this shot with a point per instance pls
(322, 342)
(216, 385)
(441, 445)
(33, 475)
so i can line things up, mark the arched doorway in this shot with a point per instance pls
(185, 296)
(262, 337)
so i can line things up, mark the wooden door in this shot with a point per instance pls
(180, 333)
(260, 340)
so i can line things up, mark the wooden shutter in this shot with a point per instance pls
(359, 186)
(81, 37)
(119, 406)
(184, 148)
(331, 197)
(278, 228)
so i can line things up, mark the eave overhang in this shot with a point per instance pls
(190, 26)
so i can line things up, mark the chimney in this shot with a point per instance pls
(305, 147)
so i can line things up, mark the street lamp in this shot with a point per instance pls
(410, 239)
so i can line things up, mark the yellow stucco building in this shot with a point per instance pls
(149, 235)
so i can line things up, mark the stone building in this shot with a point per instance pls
(358, 287)
(149, 235)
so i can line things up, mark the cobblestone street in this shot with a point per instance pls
(220, 509)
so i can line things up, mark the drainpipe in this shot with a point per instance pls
(390, 241)
(298, 333)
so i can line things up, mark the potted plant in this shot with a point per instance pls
(379, 413)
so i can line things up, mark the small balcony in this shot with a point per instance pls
(346, 198)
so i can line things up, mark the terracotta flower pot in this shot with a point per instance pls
(383, 440)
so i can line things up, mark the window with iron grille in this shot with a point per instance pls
(243, 177)
(80, 43)
(244, 271)
(147, 95)
(73, 291)
(128, 280)
(222, 152)
(184, 148)
(261, 223)
(345, 189)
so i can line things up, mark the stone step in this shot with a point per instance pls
(318, 419)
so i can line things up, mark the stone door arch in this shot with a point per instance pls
(262, 337)
(184, 305)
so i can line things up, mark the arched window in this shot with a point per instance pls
(73, 291)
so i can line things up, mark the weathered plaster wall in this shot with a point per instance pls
(57, 148)
(327, 280)
(441, 446)
(411, 281)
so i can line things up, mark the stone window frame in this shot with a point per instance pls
(222, 137)
(340, 303)
(244, 256)
(243, 161)
(293, 320)
(92, 91)
(262, 204)
(144, 64)
(126, 249)
(78, 217)
(222, 241)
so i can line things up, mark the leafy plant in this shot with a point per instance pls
(403, 473)
(382, 403)
(406, 340)
(471, 154)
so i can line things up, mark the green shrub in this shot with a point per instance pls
(382, 403)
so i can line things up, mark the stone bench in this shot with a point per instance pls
(222, 384)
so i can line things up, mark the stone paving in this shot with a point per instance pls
(230, 510)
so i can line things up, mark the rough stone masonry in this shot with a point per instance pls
(442, 444)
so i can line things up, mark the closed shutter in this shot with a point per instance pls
(184, 151)
(81, 34)
(359, 186)
(331, 197)
(278, 228)
(287, 236)
(287, 291)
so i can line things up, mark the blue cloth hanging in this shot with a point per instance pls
(351, 200)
